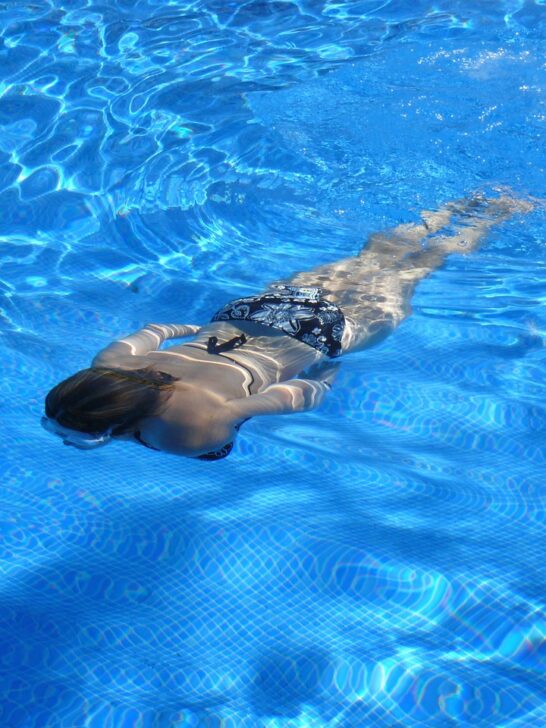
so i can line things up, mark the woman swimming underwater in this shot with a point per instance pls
(191, 398)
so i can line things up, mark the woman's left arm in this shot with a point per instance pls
(142, 342)
(298, 395)
(294, 395)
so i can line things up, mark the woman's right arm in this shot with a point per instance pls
(142, 342)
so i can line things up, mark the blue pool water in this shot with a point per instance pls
(377, 562)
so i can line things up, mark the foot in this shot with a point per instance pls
(490, 209)
(507, 205)
(473, 218)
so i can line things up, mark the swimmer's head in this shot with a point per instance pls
(95, 404)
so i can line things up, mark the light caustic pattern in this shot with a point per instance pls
(379, 562)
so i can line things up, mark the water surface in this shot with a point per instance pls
(378, 562)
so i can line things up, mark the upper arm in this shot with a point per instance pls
(142, 342)
(296, 395)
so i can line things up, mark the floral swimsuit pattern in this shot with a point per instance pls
(298, 312)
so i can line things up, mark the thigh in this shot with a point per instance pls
(369, 291)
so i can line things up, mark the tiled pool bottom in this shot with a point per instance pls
(270, 597)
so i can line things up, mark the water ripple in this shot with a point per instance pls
(378, 562)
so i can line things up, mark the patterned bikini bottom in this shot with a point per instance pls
(296, 311)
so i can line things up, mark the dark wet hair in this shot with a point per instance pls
(99, 399)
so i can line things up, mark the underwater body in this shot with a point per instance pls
(376, 562)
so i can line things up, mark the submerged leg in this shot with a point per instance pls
(374, 287)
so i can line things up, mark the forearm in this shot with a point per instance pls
(170, 331)
(143, 341)
(296, 395)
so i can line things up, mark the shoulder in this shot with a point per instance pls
(193, 420)
(112, 360)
